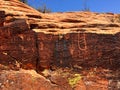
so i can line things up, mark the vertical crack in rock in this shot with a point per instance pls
(38, 53)
(2, 18)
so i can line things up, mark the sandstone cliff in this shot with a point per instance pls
(72, 38)
(33, 40)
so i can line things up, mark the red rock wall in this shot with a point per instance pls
(87, 50)
(95, 50)
(18, 46)
(19, 51)
(45, 49)
(24, 48)
(41, 50)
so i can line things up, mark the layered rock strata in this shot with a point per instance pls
(33, 40)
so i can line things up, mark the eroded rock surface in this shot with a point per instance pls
(62, 39)
(75, 40)
(80, 38)
(29, 79)
(26, 80)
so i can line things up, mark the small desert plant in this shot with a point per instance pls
(44, 9)
(85, 7)
(74, 80)
(24, 1)
(118, 17)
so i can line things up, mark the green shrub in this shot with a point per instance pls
(73, 81)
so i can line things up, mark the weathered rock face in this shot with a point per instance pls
(17, 45)
(19, 51)
(81, 49)
(94, 50)
(27, 80)
(65, 43)
(33, 40)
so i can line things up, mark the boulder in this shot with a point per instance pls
(25, 80)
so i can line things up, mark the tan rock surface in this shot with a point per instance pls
(62, 23)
